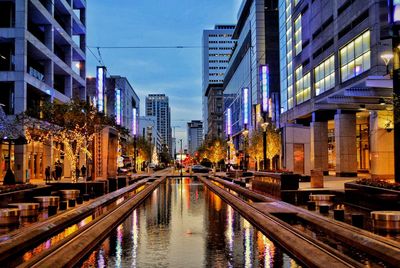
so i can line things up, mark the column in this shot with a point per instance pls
(346, 149)
(381, 145)
(319, 144)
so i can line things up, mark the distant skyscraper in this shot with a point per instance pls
(217, 49)
(158, 105)
(195, 135)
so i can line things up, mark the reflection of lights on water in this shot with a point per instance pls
(217, 202)
(118, 247)
(101, 263)
(229, 231)
(48, 243)
(134, 238)
(85, 221)
(247, 243)
(269, 251)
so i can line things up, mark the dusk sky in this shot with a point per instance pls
(175, 72)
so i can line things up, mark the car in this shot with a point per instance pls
(200, 169)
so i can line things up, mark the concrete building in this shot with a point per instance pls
(257, 47)
(158, 105)
(121, 102)
(195, 135)
(148, 129)
(217, 49)
(215, 106)
(42, 59)
(335, 94)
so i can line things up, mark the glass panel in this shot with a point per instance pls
(343, 56)
(350, 51)
(358, 47)
(367, 61)
(366, 41)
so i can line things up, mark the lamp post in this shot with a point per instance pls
(264, 127)
(134, 132)
(386, 57)
(245, 134)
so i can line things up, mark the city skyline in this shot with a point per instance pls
(174, 72)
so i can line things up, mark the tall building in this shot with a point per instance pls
(120, 99)
(195, 135)
(253, 67)
(217, 49)
(335, 94)
(148, 129)
(42, 59)
(158, 105)
(114, 96)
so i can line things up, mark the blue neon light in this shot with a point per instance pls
(245, 105)
(100, 89)
(264, 83)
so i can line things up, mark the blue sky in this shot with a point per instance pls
(175, 72)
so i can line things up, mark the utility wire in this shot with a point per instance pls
(145, 47)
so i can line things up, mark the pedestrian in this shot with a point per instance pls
(83, 171)
(58, 170)
(47, 174)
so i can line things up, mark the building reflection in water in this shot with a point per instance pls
(183, 224)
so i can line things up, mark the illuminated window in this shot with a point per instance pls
(355, 57)
(297, 35)
(303, 85)
(324, 75)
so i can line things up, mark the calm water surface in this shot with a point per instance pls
(183, 224)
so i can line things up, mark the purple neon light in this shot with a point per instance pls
(134, 122)
(245, 105)
(264, 76)
(229, 121)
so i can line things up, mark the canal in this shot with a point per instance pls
(183, 224)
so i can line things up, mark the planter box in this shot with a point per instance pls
(276, 184)
(372, 197)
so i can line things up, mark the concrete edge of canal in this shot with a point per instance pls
(365, 241)
(71, 252)
(24, 239)
(305, 249)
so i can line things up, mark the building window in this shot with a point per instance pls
(297, 35)
(303, 85)
(324, 75)
(355, 57)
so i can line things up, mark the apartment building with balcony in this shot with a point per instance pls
(42, 59)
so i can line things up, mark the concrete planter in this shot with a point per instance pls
(372, 197)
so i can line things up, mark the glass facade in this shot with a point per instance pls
(297, 35)
(355, 57)
(324, 75)
(286, 54)
(303, 85)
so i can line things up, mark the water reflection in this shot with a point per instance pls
(183, 224)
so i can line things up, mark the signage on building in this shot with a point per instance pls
(229, 121)
(118, 110)
(264, 85)
(245, 105)
(100, 87)
(134, 121)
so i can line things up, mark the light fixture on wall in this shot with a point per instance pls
(387, 56)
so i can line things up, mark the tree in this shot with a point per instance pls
(216, 150)
(256, 145)
(71, 124)
(143, 147)
(165, 156)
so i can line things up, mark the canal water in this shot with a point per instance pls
(183, 224)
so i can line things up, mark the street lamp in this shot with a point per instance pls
(229, 132)
(134, 132)
(245, 135)
(386, 57)
(264, 127)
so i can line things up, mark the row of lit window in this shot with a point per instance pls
(217, 68)
(216, 74)
(218, 61)
(355, 58)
